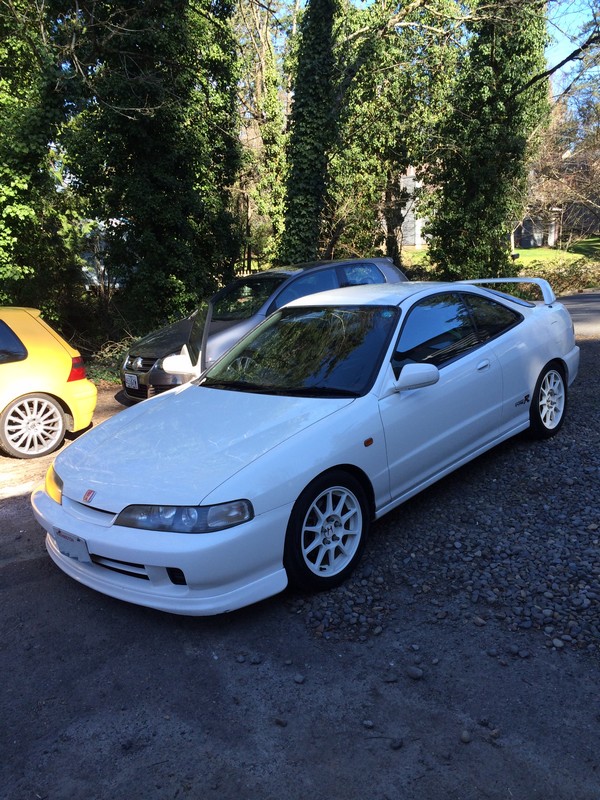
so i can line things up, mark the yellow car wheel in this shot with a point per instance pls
(32, 426)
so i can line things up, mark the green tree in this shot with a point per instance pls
(153, 148)
(262, 180)
(313, 127)
(479, 174)
(394, 83)
(39, 231)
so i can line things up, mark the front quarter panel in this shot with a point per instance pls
(351, 436)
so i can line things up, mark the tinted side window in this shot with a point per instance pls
(358, 274)
(436, 330)
(11, 347)
(310, 283)
(491, 318)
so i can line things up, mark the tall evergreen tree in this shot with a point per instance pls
(480, 173)
(312, 133)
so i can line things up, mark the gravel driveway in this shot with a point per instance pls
(460, 662)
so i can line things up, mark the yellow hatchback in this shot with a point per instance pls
(43, 389)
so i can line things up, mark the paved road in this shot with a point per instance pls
(584, 309)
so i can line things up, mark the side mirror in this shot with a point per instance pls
(178, 363)
(416, 376)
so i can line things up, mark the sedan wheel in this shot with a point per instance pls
(327, 532)
(32, 426)
(549, 403)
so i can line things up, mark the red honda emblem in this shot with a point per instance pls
(89, 496)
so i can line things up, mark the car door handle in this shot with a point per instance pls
(483, 365)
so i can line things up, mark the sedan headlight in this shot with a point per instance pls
(187, 519)
(53, 485)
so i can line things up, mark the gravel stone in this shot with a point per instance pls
(416, 673)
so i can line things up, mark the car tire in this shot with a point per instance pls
(32, 426)
(549, 402)
(327, 532)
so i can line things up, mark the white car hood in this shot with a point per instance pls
(177, 448)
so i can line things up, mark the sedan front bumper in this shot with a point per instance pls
(189, 574)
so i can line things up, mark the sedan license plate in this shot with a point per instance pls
(70, 545)
(131, 381)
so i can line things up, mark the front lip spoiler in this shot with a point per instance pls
(232, 600)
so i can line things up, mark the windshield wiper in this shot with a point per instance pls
(235, 386)
(283, 391)
(320, 391)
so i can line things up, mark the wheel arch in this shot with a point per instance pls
(360, 476)
(556, 363)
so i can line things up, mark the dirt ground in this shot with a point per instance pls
(105, 700)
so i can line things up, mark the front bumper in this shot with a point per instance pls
(189, 574)
(139, 385)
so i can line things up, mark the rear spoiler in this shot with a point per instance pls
(546, 289)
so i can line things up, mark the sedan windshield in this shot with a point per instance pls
(321, 352)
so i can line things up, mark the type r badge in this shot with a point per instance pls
(89, 496)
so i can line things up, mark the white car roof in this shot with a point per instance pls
(396, 293)
(376, 294)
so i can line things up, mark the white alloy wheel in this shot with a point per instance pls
(331, 531)
(32, 426)
(549, 403)
(327, 532)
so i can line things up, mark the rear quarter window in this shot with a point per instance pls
(11, 347)
(360, 274)
(491, 318)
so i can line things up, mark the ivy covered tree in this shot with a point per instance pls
(479, 174)
(313, 129)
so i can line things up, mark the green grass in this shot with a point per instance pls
(544, 254)
(590, 248)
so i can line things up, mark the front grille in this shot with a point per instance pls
(124, 567)
(175, 575)
(142, 393)
(145, 365)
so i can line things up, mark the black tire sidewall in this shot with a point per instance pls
(299, 574)
(537, 428)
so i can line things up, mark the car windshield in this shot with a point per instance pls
(245, 297)
(321, 352)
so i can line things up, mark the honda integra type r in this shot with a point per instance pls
(269, 468)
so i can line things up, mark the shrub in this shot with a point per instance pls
(104, 365)
(564, 275)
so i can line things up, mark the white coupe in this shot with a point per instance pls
(270, 467)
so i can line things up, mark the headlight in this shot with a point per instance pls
(53, 485)
(186, 519)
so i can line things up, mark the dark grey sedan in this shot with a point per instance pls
(200, 339)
